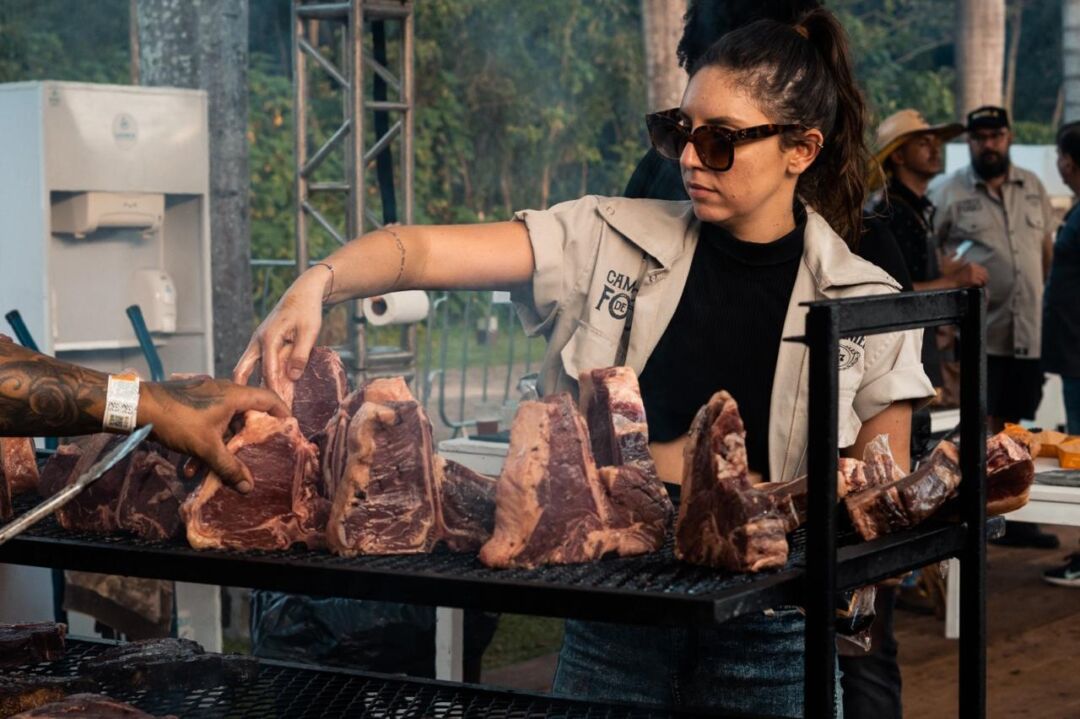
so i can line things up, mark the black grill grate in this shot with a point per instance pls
(294, 692)
(654, 577)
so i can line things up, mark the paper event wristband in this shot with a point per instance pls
(121, 403)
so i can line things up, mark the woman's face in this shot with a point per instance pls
(761, 182)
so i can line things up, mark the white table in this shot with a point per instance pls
(1047, 504)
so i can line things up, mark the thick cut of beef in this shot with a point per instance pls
(335, 436)
(466, 503)
(553, 507)
(87, 706)
(280, 461)
(1010, 472)
(790, 497)
(60, 469)
(167, 664)
(610, 399)
(22, 692)
(386, 502)
(150, 498)
(6, 509)
(879, 466)
(906, 502)
(93, 510)
(31, 643)
(18, 464)
(314, 398)
(723, 521)
(638, 510)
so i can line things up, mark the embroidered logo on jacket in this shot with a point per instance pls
(851, 349)
(618, 295)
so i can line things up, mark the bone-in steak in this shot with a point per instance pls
(280, 460)
(1010, 472)
(723, 521)
(906, 502)
(466, 503)
(386, 502)
(315, 397)
(553, 506)
(150, 498)
(611, 401)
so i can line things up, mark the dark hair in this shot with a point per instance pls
(802, 74)
(706, 20)
(1068, 140)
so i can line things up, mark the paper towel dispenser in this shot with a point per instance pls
(86, 212)
(155, 294)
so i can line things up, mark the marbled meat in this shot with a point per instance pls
(610, 399)
(906, 502)
(281, 462)
(18, 464)
(723, 520)
(553, 506)
(466, 505)
(386, 502)
(314, 398)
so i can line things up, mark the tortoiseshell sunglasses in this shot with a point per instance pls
(714, 145)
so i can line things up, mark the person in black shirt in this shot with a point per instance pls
(908, 152)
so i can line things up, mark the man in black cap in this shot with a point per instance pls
(998, 215)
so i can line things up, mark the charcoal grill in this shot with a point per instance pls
(284, 689)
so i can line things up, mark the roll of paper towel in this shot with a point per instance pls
(397, 308)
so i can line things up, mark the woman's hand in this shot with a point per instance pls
(286, 337)
(192, 416)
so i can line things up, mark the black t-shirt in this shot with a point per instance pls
(725, 334)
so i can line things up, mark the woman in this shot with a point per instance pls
(695, 296)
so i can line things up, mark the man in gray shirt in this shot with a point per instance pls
(999, 216)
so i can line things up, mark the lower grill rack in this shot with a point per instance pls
(292, 691)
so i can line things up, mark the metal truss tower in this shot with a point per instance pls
(359, 55)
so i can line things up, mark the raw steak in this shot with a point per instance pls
(150, 498)
(466, 504)
(280, 461)
(18, 465)
(879, 466)
(790, 496)
(553, 507)
(386, 500)
(906, 502)
(31, 643)
(1010, 472)
(22, 692)
(167, 664)
(87, 706)
(94, 510)
(611, 401)
(335, 436)
(723, 521)
(315, 397)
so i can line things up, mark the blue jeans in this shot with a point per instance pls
(1070, 390)
(752, 664)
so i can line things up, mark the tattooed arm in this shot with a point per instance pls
(41, 396)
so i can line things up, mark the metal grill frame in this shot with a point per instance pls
(826, 323)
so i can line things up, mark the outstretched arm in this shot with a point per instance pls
(42, 396)
(421, 257)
